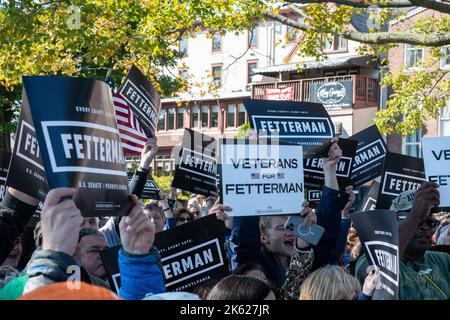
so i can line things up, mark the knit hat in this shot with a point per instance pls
(76, 290)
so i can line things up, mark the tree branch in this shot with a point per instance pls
(402, 4)
(376, 37)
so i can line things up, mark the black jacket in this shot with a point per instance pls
(14, 215)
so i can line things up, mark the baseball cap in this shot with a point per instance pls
(402, 203)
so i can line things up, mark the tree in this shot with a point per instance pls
(88, 38)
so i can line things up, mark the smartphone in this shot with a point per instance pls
(311, 234)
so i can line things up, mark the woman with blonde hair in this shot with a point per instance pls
(333, 283)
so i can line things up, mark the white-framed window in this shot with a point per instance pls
(444, 121)
(445, 60)
(217, 42)
(413, 144)
(183, 46)
(253, 38)
(413, 56)
(217, 74)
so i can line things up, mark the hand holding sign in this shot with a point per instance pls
(371, 282)
(219, 210)
(137, 231)
(148, 153)
(308, 214)
(349, 204)
(61, 222)
(425, 198)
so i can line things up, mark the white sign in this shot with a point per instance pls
(436, 157)
(261, 179)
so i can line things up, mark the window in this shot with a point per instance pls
(335, 43)
(253, 38)
(205, 114)
(341, 73)
(291, 35)
(445, 60)
(180, 118)
(217, 74)
(184, 74)
(214, 116)
(162, 120)
(231, 110)
(444, 125)
(413, 56)
(251, 66)
(241, 114)
(413, 144)
(183, 46)
(171, 119)
(217, 42)
(195, 114)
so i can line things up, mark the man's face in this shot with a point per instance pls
(421, 241)
(12, 260)
(277, 239)
(88, 255)
(156, 218)
(183, 218)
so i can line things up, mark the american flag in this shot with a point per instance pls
(255, 175)
(280, 175)
(131, 134)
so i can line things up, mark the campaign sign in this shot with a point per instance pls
(313, 197)
(369, 202)
(151, 189)
(338, 94)
(5, 158)
(196, 166)
(191, 255)
(26, 171)
(260, 178)
(110, 262)
(436, 157)
(79, 142)
(304, 123)
(378, 232)
(369, 157)
(313, 167)
(400, 173)
(142, 98)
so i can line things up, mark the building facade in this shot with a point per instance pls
(256, 64)
(409, 57)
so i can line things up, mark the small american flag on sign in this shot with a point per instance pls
(280, 175)
(132, 136)
(255, 175)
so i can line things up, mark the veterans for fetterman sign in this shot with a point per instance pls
(436, 156)
(259, 178)
(79, 141)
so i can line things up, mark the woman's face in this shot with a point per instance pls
(183, 218)
(12, 260)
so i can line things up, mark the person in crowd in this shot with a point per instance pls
(253, 270)
(249, 233)
(111, 229)
(333, 283)
(12, 260)
(443, 234)
(424, 274)
(204, 289)
(16, 209)
(156, 214)
(139, 261)
(236, 287)
(87, 253)
(183, 216)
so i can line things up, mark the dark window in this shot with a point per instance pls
(241, 114)
(251, 66)
(231, 110)
(205, 116)
(171, 119)
(195, 113)
(162, 120)
(180, 118)
(214, 116)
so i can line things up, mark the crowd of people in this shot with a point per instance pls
(266, 261)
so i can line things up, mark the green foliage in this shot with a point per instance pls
(164, 183)
(242, 132)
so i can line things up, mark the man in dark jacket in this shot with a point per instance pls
(250, 233)
(15, 211)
